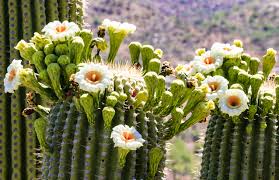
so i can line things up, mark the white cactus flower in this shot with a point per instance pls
(217, 84)
(126, 137)
(226, 50)
(117, 27)
(58, 31)
(93, 77)
(207, 63)
(12, 79)
(233, 102)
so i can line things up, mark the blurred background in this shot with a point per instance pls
(179, 27)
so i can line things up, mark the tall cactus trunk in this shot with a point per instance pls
(18, 20)
(70, 157)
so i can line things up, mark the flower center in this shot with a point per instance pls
(233, 102)
(93, 77)
(128, 136)
(209, 60)
(61, 28)
(227, 48)
(12, 75)
(214, 86)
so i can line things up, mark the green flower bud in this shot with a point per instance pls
(54, 73)
(43, 76)
(49, 49)
(142, 96)
(219, 72)
(200, 112)
(64, 60)
(155, 157)
(256, 82)
(51, 58)
(114, 93)
(243, 65)
(269, 60)
(200, 51)
(254, 65)
(147, 53)
(122, 154)
(252, 112)
(244, 78)
(151, 79)
(87, 37)
(29, 80)
(122, 97)
(246, 57)
(77, 104)
(174, 124)
(26, 50)
(38, 60)
(197, 96)
(87, 103)
(61, 49)
(236, 86)
(166, 100)
(160, 88)
(158, 53)
(154, 65)
(230, 62)
(111, 101)
(40, 126)
(70, 69)
(40, 41)
(199, 76)
(177, 89)
(232, 73)
(266, 103)
(101, 43)
(238, 43)
(76, 49)
(108, 114)
(135, 48)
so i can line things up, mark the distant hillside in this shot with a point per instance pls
(180, 26)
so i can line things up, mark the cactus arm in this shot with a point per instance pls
(66, 145)
(16, 98)
(40, 18)
(142, 153)
(235, 163)
(79, 147)
(215, 147)
(269, 159)
(4, 115)
(207, 149)
(72, 10)
(79, 12)
(129, 169)
(113, 165)
(225, 151)
(51, 10)
(277, 150)
(56, 141)
(50, 131)
(63, 10)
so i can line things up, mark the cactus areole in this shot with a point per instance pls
(103, 120)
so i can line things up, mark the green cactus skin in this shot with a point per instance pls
(18, 20)
(66, 145)
(73, 10)
(79, 147)
(63, 10)
(79, 12)
(225, 151)
(269, 159)
(51, 10)
(142, 153)
(4, 113)
(129, 169)
(206, 149)
(215, 146)
(277, 150)
(237, 145)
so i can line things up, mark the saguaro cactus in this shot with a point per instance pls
(240, 141)
(18, 20)
(106, 121)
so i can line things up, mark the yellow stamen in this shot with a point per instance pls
(128, 136)
(233, 102)
(209, 60)
(93, 77)
(61, 28)
(12, 75)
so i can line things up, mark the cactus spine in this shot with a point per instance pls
(19, 19)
